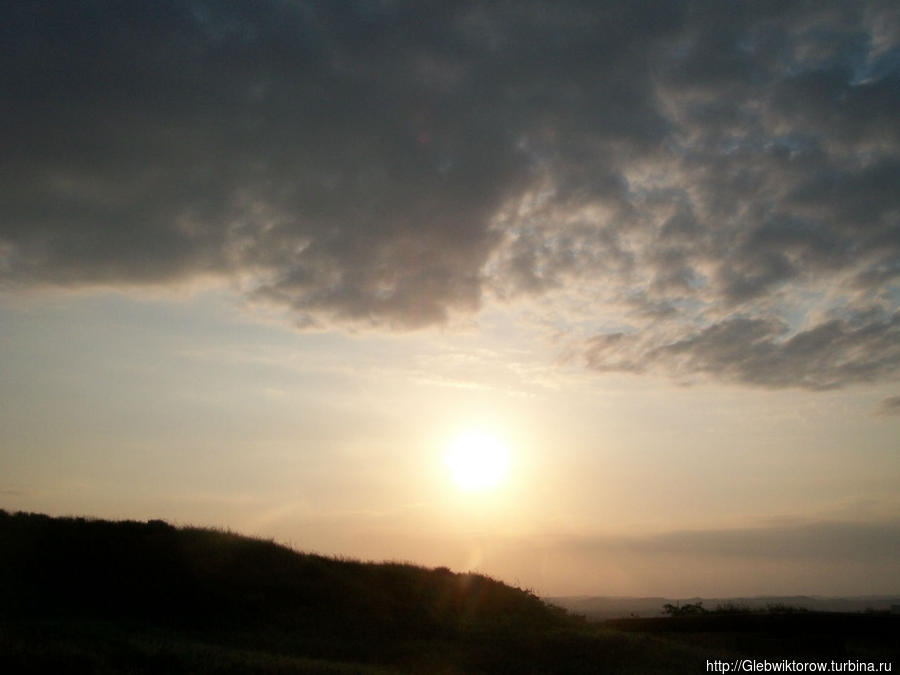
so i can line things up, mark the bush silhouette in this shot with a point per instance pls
(687, 609)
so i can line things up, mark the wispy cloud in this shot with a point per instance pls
(762, 353)
(862, 541)
(889, 406)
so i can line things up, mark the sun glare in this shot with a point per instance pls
(477, 461)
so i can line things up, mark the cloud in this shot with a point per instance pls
(889, 406)
(761, 353)
(828, 557)
(823, 541)
(720, 178)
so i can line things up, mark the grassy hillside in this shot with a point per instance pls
(84, 595)
(195, 577)
(91, 596)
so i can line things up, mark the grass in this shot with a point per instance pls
(91, 596)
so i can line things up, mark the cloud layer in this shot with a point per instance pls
(720, 178)
(823, 541)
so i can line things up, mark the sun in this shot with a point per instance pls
(477, 461)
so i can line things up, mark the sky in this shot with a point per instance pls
(263, 265)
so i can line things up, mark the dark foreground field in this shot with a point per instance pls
(87, 596)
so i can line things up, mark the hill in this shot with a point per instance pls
(83, 595)
(90, 596)
(195, 577)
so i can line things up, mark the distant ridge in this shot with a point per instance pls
(612, 607)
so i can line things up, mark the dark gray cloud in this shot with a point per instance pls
(725, 172)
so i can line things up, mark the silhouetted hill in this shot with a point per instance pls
(201, 577)
(90, 596)
(92, 586)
